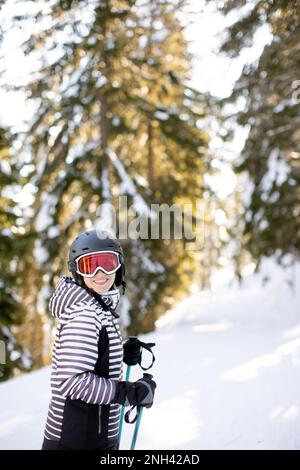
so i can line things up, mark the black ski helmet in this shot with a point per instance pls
(91, 241)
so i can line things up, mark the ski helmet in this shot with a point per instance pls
(91, 241)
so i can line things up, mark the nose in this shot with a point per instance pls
(100, 275)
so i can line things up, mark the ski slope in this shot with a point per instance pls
(227, 367)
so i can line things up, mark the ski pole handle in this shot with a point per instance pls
(147, 376)
(133, 349)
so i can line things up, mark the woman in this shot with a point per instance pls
(86, 384)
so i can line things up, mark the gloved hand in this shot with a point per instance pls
(145, 389)
(132, 351)
(140, 393)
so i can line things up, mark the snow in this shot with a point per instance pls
(5, 167)
(151, 266)
(23, 410)
(54, 231)
(6, 232)
(278, 171)
(106, 220)
(42, 159)
(44, 217)
(101, 81)
(43, 297)
(124, 308)
(40, 253)
(106, 194)
(127, 187)
(227, 368)
(70, 84)
(161, 115)
(283, 104)
(79, 150)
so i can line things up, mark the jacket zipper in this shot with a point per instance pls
(99, 416)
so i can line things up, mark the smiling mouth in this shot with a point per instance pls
(101, 282)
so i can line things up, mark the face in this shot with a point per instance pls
(101, 282)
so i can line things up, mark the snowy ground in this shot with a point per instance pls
(228, 373)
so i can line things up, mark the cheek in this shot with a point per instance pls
(87, 281)
(112, 279)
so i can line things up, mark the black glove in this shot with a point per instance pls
(140, 393)
(132, 351)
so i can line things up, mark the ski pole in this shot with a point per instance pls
(123, 407)
(135, 345)
(136, 428)
(138, 420)
(134, 349)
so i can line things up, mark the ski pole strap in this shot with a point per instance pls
(128, 413)
(148, 347)
(138, 408)
(133, 349)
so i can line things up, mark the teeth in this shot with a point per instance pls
(100, 282)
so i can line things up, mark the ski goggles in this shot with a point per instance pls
(106, 261)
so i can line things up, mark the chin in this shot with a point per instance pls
(102, 290)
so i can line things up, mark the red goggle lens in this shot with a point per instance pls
(88, 264)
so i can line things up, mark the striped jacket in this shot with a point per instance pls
(86, 366)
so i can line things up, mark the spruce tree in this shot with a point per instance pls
(115, 116)
(270, 89)
(13, 243)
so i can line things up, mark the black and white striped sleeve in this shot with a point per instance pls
(76, 358)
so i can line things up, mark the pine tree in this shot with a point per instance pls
(12, 245)
(115, 116)
(272, 112)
